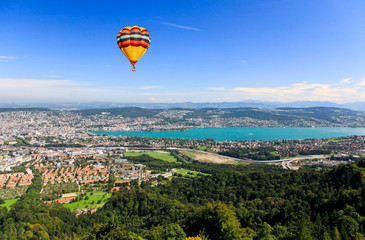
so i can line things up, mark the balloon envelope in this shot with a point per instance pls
(134, 42)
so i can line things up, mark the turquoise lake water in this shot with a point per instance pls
(246, 133)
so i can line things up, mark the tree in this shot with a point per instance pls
(174, 232)
(111, 181)
(167, 232)
(265, 232)
(348, 227)
(217, 221)
(110, 230)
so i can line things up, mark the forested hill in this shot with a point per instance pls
(132, 112)
(325, 112)
(321, 113)
(227, 205)
(224, 117)
(325, 115)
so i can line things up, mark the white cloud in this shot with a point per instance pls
(305, 91)
(300, 91)
(181, 26)
(217, 88)
(346, 81)
(350, 90)
(32, 83)
(362, 83)
(228, 99)
(6, 58)
(149, 87)
(243, 61)
(52, 89)
(70, 90)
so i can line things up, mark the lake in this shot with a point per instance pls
(245, 133)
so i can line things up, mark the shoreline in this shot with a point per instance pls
(244, 133)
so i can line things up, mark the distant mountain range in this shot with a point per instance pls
(358, 106)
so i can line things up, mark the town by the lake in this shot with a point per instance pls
(81, 169)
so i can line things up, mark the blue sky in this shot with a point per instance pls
(201, 51)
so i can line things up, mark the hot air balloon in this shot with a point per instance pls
(134, 42)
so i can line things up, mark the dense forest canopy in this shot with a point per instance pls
(251, 203)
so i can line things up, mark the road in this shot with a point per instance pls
(284, 162)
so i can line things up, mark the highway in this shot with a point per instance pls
(284, 162)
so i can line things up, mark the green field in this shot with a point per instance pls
(190, 154)
(165, 156)
(275, 153)
(189, 172)
(202, 148)
(9, 202)
(240, 163)
(88, 203)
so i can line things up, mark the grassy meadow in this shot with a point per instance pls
(165, 156)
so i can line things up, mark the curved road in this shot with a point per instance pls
(284, 162)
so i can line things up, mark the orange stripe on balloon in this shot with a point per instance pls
(145, 45)
(136, 42)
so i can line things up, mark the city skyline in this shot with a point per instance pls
(201, 51)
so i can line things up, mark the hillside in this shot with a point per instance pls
(185, 118)
(323, 116)
(250, 202)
